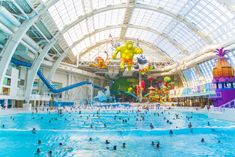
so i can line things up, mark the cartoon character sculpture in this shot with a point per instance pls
(143, 65)
(101, 62)
(127, 53)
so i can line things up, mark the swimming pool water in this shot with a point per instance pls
(73, 130)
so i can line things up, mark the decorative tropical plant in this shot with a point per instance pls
(221, 52)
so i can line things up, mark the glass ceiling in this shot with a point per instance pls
(170, 25)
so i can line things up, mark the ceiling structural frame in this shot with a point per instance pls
(46, 6)
(26, 16)
(165, 36)
(11, 46)
(16, 38)
(150, 45)
(127, 17)
(179, 18)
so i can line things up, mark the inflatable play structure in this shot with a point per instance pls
(127, 52)
(224, 79)
(48, 84)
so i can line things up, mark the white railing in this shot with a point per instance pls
(230, 104)
(216, 95)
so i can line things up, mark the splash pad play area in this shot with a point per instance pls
(117, 78)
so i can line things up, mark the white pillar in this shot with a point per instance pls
(34, 69)
(55, 66)
(11, 46)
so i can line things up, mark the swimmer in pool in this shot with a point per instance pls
(190, 125)
(158, 145)
(107, 142)
(38, 151)
(152, 143)
(202, 140)
(171, 132)
(50, 153)
(123, 145)
(34, 131)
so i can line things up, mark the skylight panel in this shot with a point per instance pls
(141, 34)
(68, 39)
(150, 19)
(100, 36)
(208, 16)
(66, 11)
(183, 35)
(173, 6)
(167, 47)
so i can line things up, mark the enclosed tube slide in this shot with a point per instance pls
(48, 84)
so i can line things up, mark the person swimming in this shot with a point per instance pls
(115, 147)
(171, 132)
(107, 142)
(123, 145)
(151, 126)
(39, 142)
(202, 140)
(152, 143)
(34, 131)
(61, 144)
(190, 125)
(158, 145)
(208, 123)
(3, 126)
(50, 153)
(38, 151)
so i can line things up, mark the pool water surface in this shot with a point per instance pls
(83, 134)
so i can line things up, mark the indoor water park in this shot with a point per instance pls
(117, 78)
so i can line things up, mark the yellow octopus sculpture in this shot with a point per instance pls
(127, 52)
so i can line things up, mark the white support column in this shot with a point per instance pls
(11, 46)
(34, 69)
(55, 66)
(91, 90)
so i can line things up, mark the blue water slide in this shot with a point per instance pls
(48, 84)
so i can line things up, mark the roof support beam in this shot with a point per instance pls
(11, 46)
(32, 72)
(127, 17)
(56, 66)
(118, 39)
(165, 36)
(179, 18)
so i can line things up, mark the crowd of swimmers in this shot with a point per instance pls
(139, 116)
